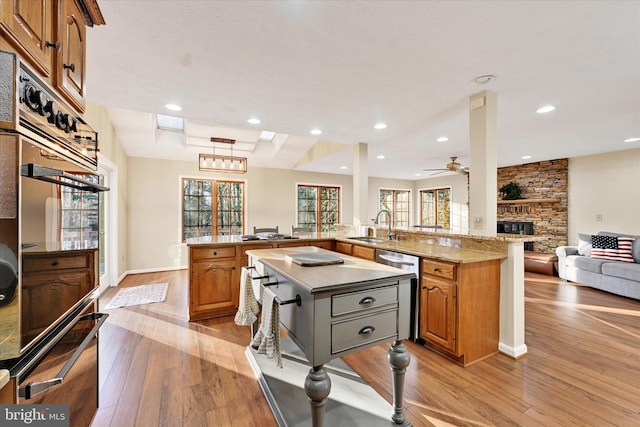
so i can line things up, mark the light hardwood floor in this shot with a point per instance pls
(582, 369)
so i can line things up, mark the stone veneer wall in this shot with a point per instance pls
(541, 180)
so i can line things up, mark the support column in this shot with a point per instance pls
(512, 302)
(360, 183)
(483, 164)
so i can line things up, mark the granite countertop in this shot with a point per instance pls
(4, 377)
(436, 246)
(426, 248)
(353, 271)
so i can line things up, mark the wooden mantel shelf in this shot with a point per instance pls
(525, 201)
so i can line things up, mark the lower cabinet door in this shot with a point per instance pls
(214, 289)
(438, 313)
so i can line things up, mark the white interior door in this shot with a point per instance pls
(108, 262)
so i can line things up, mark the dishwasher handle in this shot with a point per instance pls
(396, 260)
(34, 388)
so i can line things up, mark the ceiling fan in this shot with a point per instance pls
(453, 166)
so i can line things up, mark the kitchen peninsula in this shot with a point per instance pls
(451, 267)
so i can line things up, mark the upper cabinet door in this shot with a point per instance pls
(71, 59)
(28, 26)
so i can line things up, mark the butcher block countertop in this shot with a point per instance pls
(326, 277)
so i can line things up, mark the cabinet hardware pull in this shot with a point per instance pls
(436, 269)
(71, 67)
(367, 330)
(367, 300)
(55, 45)
(54, 263)
(215, 253)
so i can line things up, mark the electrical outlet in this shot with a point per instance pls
(599, 217)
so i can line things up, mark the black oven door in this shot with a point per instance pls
(65, 370)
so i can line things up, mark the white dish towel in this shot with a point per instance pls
(267, 339)
(248, 307)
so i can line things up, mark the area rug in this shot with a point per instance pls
(137, 295)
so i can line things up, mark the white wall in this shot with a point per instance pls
(111, 148)
(459, 198)
(608, 185)
(154, 230)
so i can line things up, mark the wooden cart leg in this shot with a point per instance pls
(317, 385)
(399, 358)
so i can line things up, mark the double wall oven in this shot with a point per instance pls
(49, 243)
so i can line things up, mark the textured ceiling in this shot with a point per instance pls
(344, 66)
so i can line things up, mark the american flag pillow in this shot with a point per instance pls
(612, 248)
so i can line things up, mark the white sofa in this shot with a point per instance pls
(622, 278)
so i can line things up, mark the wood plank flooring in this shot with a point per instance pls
(583, 367)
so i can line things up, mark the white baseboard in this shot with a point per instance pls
(513, 352)
(147, 270)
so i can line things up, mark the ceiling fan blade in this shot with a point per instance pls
(438, 173)
(439, 169)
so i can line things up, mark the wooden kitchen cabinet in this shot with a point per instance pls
(57, 280)
(213, 281)
(360, 251)
(50, 36)
(70, 61)
(460, 308)
(28, 27)
(324, 244)
(344, 248)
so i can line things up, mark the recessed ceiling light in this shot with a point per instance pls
(483, 80)
(380, 126)
(418, 174)
(545, 109)
(442, 139)
(254, 121)
(632, 140)
(526, 157)
(344, 167)
(173, 107)
(316, 132)
(380, 156)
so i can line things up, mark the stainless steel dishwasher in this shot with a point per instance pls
(410, 263)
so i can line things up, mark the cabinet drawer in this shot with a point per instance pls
(32, 264)
(363, 330)
(344, 248)
(214, 253)
(364, 252)
(363, 300)
(440, 269)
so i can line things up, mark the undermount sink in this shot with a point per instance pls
(372, 240)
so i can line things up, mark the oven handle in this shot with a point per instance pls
(42, 173)
(34, 388)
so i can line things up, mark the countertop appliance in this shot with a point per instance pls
(49, 219)
(410, 263)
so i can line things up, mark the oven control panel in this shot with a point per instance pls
(44, 113)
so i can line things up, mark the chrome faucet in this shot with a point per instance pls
(388, 212)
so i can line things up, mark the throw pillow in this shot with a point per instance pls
(612, 248)
(584, 244)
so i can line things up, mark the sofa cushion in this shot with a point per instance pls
(584, 244)
(622, 270)
(585, 263)
(635, 250)
(612, 248)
